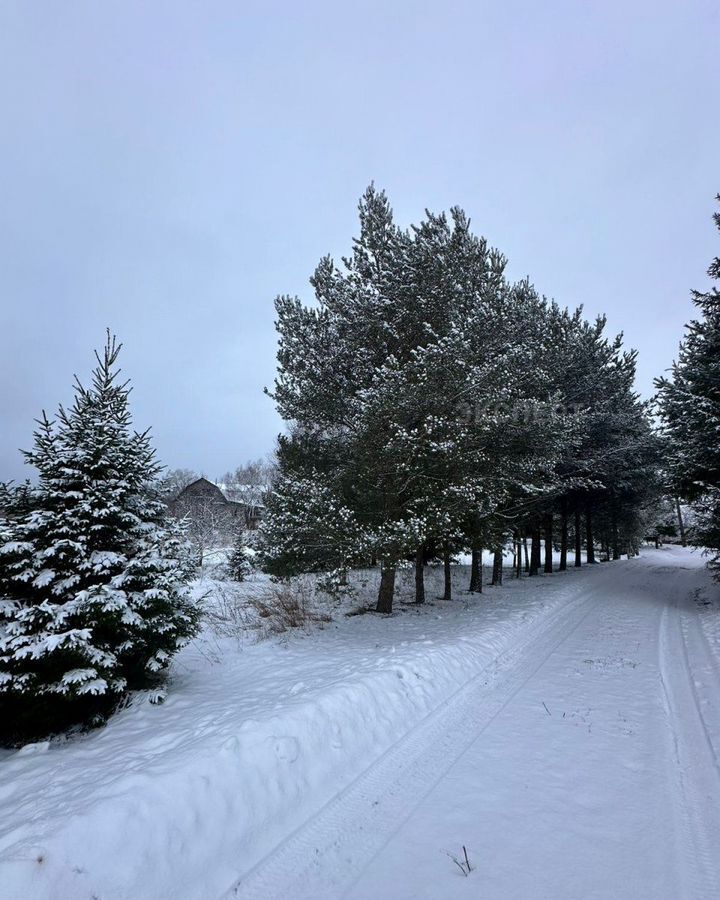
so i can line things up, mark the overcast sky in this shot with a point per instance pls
(167, 168)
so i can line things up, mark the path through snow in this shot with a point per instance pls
(564, 729)
(584, 765)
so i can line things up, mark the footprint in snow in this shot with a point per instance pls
(287, 749)
(337, 739)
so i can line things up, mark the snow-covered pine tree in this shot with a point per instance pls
(610, 467)
(240, 563)
(434, 405)
(689, 405)
(93, 600)
(338, 474)
(524, 428)
(353, 378)
(661, 521)
(416, 330)
(307, 527)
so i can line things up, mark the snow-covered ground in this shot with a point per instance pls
(564, 729)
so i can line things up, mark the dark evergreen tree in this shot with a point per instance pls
(403, 385)
(689, 406)
(432, 405)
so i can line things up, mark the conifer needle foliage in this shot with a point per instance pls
(93, 597)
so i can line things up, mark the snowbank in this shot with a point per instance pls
(178, 801)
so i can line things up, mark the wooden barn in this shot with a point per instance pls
(204, 497)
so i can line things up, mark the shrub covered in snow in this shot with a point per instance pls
(241, 563)
(92, 575)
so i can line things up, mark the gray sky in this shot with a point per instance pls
(167, 168)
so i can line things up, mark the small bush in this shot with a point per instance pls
(288, 604)
(264, 608)
(228, 612)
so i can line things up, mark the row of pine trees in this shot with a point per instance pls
(433, 407)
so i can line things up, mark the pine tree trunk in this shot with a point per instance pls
(525, 551)
(518, 555)
(681, 524)
(420, 574)
(447, 572)
(497, 566)
(387, 587)
(578, 539)
(563, 536)
(548, 543)
(476, 571)
(589, 539)
(535, 556)
(615, 532)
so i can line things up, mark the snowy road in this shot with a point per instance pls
(582, 763)
(564, 729)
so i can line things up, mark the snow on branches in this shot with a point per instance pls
(92, 573)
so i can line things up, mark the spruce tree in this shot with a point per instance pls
(240, 563)
(92, 574)
(689, 405)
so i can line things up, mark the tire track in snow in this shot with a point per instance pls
(325, 855)
(697, 788)
(688, 623)
(711, 670)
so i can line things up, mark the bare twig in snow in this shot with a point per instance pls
(463, 865)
